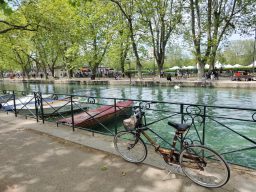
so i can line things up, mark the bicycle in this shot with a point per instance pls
(199, 163)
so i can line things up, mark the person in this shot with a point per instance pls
(176, 75)
(238, 76)
(179, 74)
(169, 77)
(161, 74)
(116, 76)
(216, 74)
(212, 75)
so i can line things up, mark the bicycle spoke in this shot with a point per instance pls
(204, 166)
(130, 147)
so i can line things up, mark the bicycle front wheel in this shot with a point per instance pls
(204, 166)
(130, 147)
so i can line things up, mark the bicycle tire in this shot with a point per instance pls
(207, 168)
(124, 142)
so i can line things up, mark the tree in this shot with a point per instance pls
(161, 18)
(8, 24)
(97, 19)
(55, 41)
(21, 52)
(238, 52)
(177, 57)
(129, 11)
(211, 21)
(120, 45)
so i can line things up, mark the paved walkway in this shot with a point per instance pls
(38, 157)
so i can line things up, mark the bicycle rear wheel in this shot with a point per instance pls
(204, 166)
(130, 147)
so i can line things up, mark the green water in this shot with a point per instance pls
(217, 133)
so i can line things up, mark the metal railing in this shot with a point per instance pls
(229, 130)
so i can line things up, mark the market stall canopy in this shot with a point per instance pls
(218, 65)
(237, 65)
(251, 65)
(228, 66)
(174, 68)
(207, 66)
(188, 67)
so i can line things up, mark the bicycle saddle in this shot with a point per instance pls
(178, 126)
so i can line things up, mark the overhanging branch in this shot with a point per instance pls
(14, 27)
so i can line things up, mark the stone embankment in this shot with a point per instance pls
(191, 82)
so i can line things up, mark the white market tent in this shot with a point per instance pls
(218, 65)
(251, 65)
(228, 66)
(188, 67)
(237, 65)
(174, 68)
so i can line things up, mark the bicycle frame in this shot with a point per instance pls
(170, 155)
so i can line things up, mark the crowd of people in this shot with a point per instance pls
(212, 74)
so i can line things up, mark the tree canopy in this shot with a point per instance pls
(42, 35)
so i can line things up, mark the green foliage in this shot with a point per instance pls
(5, 7)
(238, 52)
(44, 34)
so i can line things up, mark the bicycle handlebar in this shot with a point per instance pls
(139, 111)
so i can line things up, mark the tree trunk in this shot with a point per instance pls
(213, 57)
(123, 55)
(1, 74)
(70, 73)
(138, 64)
(160, 64)
(94, 70)
(52, 71)
(45, 73)
(200, 73)
(135, 50)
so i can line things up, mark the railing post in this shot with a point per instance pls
(182, 112)
(204, 116)
(41, 107)
(181, 121)
(14, 103)
(115, 117)
(72, 113)
(36, 107)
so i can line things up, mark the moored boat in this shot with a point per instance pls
(26, 106)
(99, 115)
(5, 98)
(50, 107)
(23, 101)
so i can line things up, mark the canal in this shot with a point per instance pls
(219, 132)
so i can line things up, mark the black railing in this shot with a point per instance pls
(229, 130)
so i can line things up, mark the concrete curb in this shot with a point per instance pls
(145, 82)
